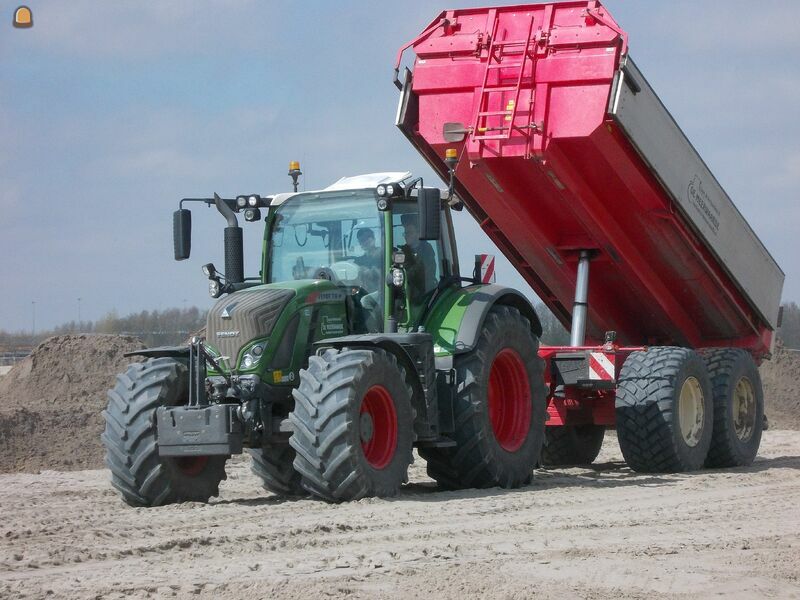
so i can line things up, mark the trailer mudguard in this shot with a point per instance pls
(457, 319)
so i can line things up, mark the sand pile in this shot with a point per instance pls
(781, 379)
(50, 403)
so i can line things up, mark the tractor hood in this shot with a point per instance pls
(238, 318)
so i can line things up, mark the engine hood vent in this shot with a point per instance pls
(238, 318)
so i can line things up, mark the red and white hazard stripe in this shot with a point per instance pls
(487, 268)
(601, 366)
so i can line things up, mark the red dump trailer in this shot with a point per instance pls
(572, 165)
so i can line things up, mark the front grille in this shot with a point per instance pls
(248, 314)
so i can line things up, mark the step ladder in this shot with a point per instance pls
(482, 129)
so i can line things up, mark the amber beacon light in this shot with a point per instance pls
(23, 17)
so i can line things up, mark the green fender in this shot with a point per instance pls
(456, 320)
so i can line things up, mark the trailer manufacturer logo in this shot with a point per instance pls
(228, 334)
(703, 203)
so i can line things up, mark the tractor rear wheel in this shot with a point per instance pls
(138, 472)
(664, 410)
(353, 425)
(738, 407)
(572, 444)
(274, 466)
(499, 409)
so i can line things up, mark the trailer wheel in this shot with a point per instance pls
(274, 466)
(130, 438)
(353, 425)
(499, 409)
(572, 444)
(738, 407)
(664, 410)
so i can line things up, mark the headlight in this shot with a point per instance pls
(382, 204)
(253, 201)
(389, 190)
(381, 190)
(213, 288)
(252, 356)
(241, 201)
(398, 277)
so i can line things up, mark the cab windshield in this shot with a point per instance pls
(330, 235)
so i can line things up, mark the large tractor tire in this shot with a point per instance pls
(664, 410)
(274, 466)
(130, 438)
(353, 425)
(572, 444)
(738, 407)
(499, 409)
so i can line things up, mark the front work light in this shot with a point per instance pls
(209, 270)
(252, 214)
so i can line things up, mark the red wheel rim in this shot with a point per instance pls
(509, 400)
(378, 427)
(191, 465)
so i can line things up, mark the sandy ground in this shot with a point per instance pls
(591, 533)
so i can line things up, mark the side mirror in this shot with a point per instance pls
(429, 202)
(182, 233)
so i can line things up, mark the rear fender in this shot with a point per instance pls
(457, 321)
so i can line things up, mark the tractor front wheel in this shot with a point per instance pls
(352, 425)
(138, 472)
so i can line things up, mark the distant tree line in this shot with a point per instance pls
(789, 332)
(175, 325)
(154, 327)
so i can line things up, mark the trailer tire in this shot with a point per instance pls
(572, 444)
(138, 472)
(738, 407)
(353, 425)
(497, 443)
(664, 410)
(274, 466)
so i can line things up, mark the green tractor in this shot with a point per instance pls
(358, 341)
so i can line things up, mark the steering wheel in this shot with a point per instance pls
(326, 273)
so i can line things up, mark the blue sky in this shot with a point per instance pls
(112, 111)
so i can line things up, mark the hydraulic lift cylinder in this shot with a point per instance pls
(577, 334)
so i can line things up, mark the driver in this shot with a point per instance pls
(422, 270)
(372, 257)
(371, 264)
